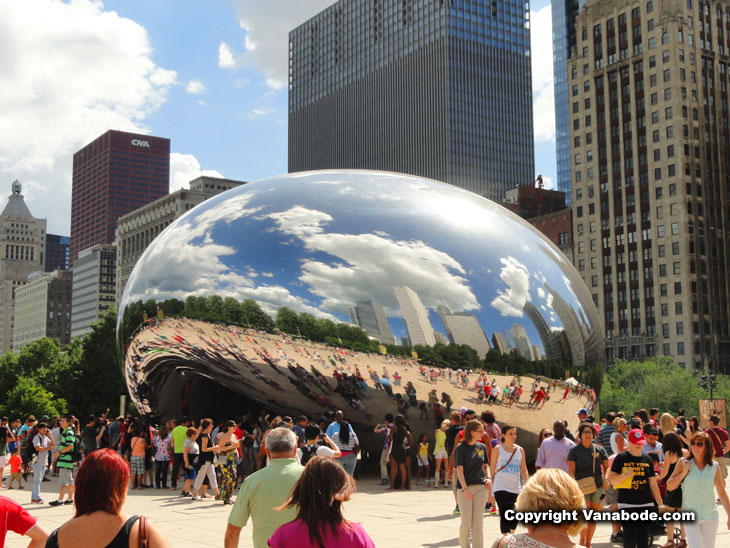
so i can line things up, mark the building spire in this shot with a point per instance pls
(16, 187)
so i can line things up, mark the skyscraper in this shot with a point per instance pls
(22, 252)
(464, 328)
(437, 88)
(522, 341)
(113, 175)
(57, 252)
(43, 309)
(650, 153)
(94, 287)
(371, 317)
(415, 316)
(563, 13)
(550, 340)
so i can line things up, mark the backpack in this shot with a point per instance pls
(76, 451)
(451, 434)
(30, 448)
(308, 451)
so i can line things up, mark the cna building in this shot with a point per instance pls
(116, 173)
(436, 88)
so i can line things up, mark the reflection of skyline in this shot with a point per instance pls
(370, 316)
(550, 338)
(522, 341)
(415, 316)
(464, 328)
(323, 243)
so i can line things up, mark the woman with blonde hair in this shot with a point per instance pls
(549, 489)
(318, 495)
(667, 423)
(618, 440)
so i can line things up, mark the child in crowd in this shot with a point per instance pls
(15, 462)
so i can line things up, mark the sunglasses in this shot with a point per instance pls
(698, 443)
(546, 435)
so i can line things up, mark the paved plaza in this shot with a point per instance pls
(400, 519)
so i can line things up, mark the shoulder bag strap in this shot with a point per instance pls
(507, 464)
(143, 538)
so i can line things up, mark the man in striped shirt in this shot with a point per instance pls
(65, 462)
(604, 434)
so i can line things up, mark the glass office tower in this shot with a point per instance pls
(564, 13)
(438, 88)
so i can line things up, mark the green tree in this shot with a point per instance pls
(287, 320)
(659, 382)
(231, 311)
(29, 397)
(253, 316)
(94, 370)
(10, 372)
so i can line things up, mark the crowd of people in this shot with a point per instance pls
(308, 465)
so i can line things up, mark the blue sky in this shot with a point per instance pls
(207, 74)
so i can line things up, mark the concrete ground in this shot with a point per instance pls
(400, 519)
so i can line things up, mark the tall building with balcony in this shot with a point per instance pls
(650, 158)
(22, 252)
(43, 309)
(137, 229)
(437, 88)
(116, 173)
(564, 13)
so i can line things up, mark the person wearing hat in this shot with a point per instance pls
(632, 475)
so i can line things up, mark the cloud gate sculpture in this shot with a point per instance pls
(332, 257)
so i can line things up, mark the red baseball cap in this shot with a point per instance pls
(636, 436)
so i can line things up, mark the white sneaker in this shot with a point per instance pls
(197, 498)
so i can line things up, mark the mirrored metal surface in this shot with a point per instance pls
(408, 260)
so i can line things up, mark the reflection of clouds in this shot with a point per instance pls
(185, 261)
(370, 264)
(510, 302)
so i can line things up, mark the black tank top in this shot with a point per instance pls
(119, 541)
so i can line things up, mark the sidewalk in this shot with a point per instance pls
(401, 519)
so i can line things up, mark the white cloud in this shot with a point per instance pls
(511, 301)
(184, 168)
(70, 72)
(256, 112)
(365, 266)
(185, 260)
(266, 26)
(195, 87)
(225, 56)
(542, 74)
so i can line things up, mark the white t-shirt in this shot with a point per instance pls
(322, 451)
(41, 441)
(507, 479)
